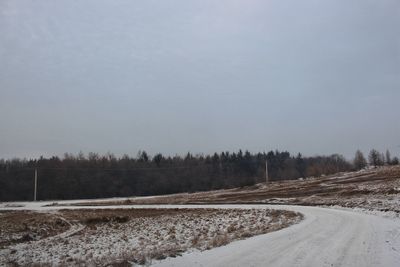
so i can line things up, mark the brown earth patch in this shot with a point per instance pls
(23, 226)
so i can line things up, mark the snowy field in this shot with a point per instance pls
(373, 190)
(127, 236)
(325, 237)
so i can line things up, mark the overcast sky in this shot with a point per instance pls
(172, 76)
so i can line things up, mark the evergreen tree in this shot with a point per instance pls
(300, 165)
(374, 158)
(157, 159)
(359, 160)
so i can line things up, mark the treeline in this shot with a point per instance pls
(100, 176)
(375, 159)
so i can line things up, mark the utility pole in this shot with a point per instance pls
(337, 163)
(35, 192)
(266, 172)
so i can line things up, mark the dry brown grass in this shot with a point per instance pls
(346, 189)
(24, 226)
(143, 235)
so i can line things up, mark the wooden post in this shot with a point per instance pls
(266, 172)
(35, 190)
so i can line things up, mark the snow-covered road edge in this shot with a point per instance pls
(326, 237)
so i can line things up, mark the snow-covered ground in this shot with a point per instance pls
(134, 234)
(326, 237)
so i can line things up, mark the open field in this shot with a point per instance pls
(119, 236)
(373, 189)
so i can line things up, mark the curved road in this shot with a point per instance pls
(326, 237)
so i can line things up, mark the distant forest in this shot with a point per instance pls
(101, 176)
